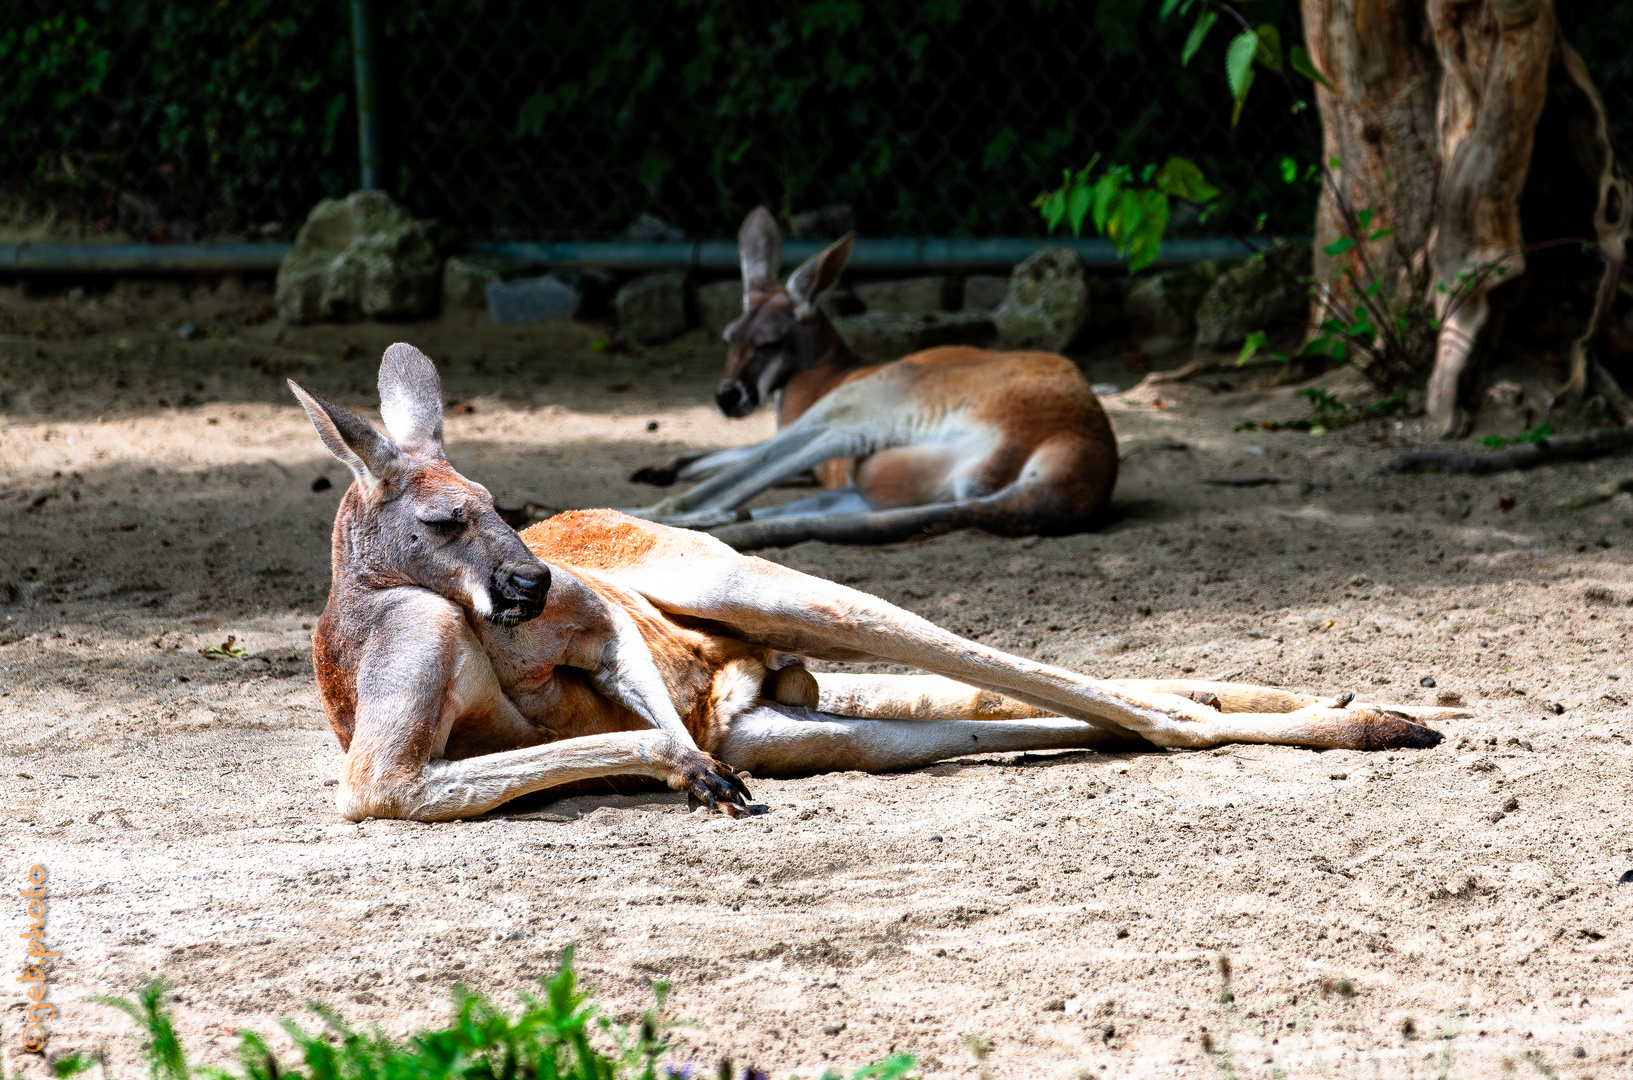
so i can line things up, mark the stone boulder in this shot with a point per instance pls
(890, 335)
(823, 223)
(361, 255)
(1047, 303)
(653, 308)
(1163, 305)
(533, 299)
(983, 292)
(1271, 286)
(718, 304)
(465, 278)
(917, 296)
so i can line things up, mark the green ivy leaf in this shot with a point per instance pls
(1339, 246)
(1077, 207)
(1204, 23)
(1239, 62)
(1298, 58)
(1241, 99)
(1269, 52)
(1052, 206)
(1289, 169)
(1364, 217)
(1255, 341)
(1381, 233)
(1105, 192)
(1181, 178)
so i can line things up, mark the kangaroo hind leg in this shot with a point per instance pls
(779, 741)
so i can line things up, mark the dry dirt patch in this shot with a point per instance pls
(1070, 908)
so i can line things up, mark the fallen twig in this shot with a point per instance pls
(1244, 481)
(1600, 442)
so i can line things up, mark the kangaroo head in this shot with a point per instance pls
(409, 518)
(781, 332)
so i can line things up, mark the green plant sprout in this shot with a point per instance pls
(1535, 436)
(1327, 412)
(1132, 211)
(553, 1037)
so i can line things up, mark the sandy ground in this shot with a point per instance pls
(1383, 915)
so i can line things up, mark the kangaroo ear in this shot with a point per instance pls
(759, 246)
(349, 437)
(411, 400)
(818, 274)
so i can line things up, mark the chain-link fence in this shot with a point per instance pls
(516, 120)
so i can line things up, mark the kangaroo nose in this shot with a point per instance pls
(732, 397)
(531, 584)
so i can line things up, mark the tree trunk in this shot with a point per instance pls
(1432, 117)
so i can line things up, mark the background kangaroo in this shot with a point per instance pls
(461, 665)
(1012, 442)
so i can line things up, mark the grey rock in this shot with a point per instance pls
(651, 227)
(1047, 303)
(465, 278)
(1164, 305)
(918, 296)
(653, 308)
(363, 254)
(1272, 285)
(465, 282)
(718, 304)
(891, 335)
(823, 223)
(532, 299)
(983, 292)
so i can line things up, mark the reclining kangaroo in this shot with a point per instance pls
(1015, 443)
(461, 665)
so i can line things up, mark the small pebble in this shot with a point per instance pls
(1626, 879)
(652, 425)
(190, 331)
(1122, 931)
(1427, 680)
(935, 838)
(833, 1029)
(1510, 805)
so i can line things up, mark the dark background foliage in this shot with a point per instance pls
(936, 117)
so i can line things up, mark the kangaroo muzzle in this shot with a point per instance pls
(519, 593)
(734, 398)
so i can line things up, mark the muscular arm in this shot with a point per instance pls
(423, 670)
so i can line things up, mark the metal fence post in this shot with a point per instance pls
(364, 52)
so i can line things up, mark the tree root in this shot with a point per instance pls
(1601, 494)
(1601, 442)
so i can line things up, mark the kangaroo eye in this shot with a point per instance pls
(445, 528)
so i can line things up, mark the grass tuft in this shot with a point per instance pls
(556, 1036)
